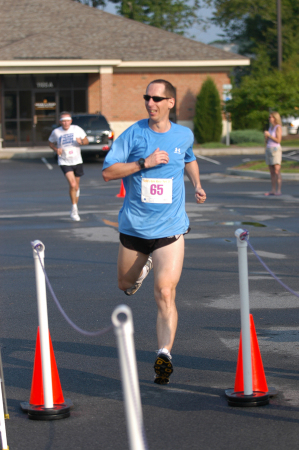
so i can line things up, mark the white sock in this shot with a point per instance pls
(75, 207)
(165, 351)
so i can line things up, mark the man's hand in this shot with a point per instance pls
(59, 151)
(156, 158)
(80, 141)
(200, 195)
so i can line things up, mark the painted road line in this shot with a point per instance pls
(47, 164)
(57, 213)
(208, 159)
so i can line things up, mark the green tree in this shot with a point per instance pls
(261, 92)
(170, 15)
(253, 25)
(208, 118)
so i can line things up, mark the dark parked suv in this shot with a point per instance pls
(98, 132)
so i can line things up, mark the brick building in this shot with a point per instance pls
(61, 55)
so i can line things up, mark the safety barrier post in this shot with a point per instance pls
(2, 421)
(39, 248)
(42, 405)
(248, 396)
(245, 311)
(6, 413)
(123, 328)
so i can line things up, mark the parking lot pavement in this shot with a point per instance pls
(80, 259)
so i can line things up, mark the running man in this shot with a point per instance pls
(150, 157)
(66, 141)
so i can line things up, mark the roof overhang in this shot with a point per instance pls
(205, 63)
(28, 66)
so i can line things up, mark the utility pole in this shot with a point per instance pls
(279, 40)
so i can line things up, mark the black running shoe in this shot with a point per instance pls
(163, 368)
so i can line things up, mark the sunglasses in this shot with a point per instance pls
(155, 98)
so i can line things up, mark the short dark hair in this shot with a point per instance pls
(168, 88)
(65, 113)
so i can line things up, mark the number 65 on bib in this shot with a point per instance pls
(156, 190)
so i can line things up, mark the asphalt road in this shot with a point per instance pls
(80, 258)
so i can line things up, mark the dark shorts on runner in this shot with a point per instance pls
(77, 169)
(147, 246)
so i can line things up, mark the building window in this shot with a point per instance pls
(31, 105)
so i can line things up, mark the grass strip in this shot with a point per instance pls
(286, 166)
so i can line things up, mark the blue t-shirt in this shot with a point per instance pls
(153, 220)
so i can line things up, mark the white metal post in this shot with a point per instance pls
(227, 129)
(245, 320)
(124, 330)
(2, 421)
(38, 249)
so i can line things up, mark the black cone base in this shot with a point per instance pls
(257, 398)
(39, 412)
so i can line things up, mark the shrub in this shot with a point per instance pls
(208, 118)
(242, 136)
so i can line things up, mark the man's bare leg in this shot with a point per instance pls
(129, 266)
(74, 183)
(168, 264)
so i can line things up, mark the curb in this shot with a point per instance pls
(44, 152)
(26, 153)
(235, 151)
(260, 174)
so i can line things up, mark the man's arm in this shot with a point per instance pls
(83, 141)
(54, 148)
(192, 171)
(122, 170)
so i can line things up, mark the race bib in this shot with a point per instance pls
(156, 190)
(69, 152)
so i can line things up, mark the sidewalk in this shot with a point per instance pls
(26, 153)
(234, 150)
(46, 152)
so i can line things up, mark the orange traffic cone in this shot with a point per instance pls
(37, 391)
(261, 392)
(259, 382)
(35, 407)
(122, 191)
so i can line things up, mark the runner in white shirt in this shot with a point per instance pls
(151, 157)
(66, 141)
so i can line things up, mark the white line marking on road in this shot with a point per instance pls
(208, 159)
(197, 236)
(47, 164)
(271, 255)
(57, 214)
(94, 234)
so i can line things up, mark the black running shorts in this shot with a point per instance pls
(147, 246)
(77, 169)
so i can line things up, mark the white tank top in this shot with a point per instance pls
(270, 142)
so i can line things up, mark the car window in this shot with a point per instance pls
(91, 122)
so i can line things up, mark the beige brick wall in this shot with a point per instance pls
(94, 98)
(119, 96)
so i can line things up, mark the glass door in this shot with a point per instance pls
(44, 118)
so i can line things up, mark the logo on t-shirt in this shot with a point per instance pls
(67, 139)
(177, 150)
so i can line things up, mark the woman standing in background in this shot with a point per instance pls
(273, 152)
